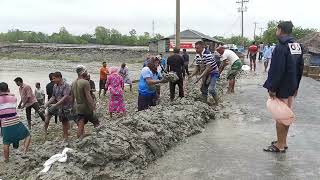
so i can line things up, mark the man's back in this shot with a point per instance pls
(49, 89)
(285, 70)
(78, 91)
(253, 49)
(185, 58)
(175, 64)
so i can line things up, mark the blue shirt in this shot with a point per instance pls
(163, 62)
(144, 88)
(267, 53)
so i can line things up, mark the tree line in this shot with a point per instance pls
(102, 36)
(268, 36)
(107, 36)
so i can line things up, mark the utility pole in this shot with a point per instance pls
(152, 28)
(242, 9)
(261, 30)
(177, 23)
(254, 32)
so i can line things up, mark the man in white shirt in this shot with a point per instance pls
(39, 93)
(228, 57)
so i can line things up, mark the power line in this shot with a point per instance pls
(242, 9)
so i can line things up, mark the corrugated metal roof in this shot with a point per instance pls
(192, 34)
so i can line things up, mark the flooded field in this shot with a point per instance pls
(32, 71)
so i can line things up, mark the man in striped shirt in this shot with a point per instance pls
(12, 129)
(207, 66)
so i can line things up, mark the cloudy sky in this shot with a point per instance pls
(212, 17)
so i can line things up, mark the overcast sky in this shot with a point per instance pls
(212, 17)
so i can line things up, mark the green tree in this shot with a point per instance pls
(102, 35)
(269, 36)
(237, 40)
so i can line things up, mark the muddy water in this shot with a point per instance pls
(32, 71)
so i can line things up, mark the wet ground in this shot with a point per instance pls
(231, 146)
(33, 71)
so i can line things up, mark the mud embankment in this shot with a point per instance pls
(85, 53)
(124, 148)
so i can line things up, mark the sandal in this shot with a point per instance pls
(274, 142)
(274, 149)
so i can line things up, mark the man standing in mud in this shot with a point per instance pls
(84, 103)
(206, 65)
(104, 72)
(175, 64)
(28, 100)
(49, 89)
(252, 54)
(59, 104)
(284, 77)
(230, 58)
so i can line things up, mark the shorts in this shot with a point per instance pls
(64, 114)
(266, 60)
(144, 102)
(13, 134)
(102, 84)
(253, 57)
(127, 81)
(235, 69)
(91, 117)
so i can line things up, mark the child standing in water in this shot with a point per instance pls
(115, 86)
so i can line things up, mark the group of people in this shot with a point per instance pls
(66, 102)
(265, 54)
(77, 101)
(207, 67)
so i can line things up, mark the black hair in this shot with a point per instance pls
(4, 87)
(201, 43)
(104, 62)
(285, 26)
(254, 42)
(50, 76)
(184, 50)
(57, 74)
(176, 50)
(37, 83)
(18, 79)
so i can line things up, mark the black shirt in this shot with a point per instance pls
(92, 85)
(49, 89)
(175, 63)
(185, 58)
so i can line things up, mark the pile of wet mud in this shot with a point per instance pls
(311, 42)
(124, 147)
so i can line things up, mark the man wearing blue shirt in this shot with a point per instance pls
(148, 79)
(284, 77)
(267, 54)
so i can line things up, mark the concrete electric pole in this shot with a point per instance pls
(254, 32)
(177, 23)
(242, 9)
(261, 31)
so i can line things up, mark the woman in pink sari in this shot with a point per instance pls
(115, 86)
